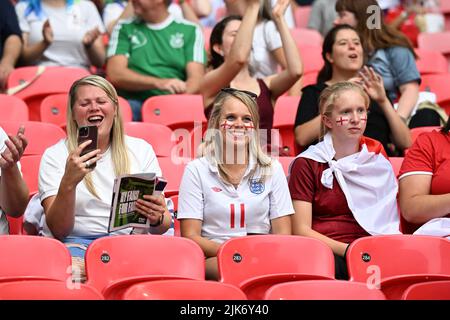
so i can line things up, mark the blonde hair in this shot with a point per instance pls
(329, 96)
(119, 153)
(213, 147)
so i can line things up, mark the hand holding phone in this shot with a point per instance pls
(88, 133)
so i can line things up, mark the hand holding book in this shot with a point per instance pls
(152, 207)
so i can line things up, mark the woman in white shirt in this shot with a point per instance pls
(235, 189)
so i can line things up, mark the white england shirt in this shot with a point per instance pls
(229, 212)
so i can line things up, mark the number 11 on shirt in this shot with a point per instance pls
(233, 215)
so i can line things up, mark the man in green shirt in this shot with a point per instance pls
(154, 54)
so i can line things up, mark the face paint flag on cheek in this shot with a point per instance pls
(364, 118)
(342, 121)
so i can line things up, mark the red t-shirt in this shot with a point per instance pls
(430, 154)
(331, 215)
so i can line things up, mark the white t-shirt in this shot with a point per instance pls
(92, 214)
(228, 212)
(69, 25)
(112, 11)
(265, 39)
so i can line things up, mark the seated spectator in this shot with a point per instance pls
(61, 33)
(13, 190)
(424, 181)
(167, 57)
(76, 198)
(343, 57)
(343, 188)
(391, 55)
(10, 41)
(322, 16)
(230, 46)
(235, 189)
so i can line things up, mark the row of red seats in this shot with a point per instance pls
(259, 266)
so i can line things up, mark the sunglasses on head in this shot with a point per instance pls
(233, 90)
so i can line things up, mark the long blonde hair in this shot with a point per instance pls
(213, 146)
(329, 96)
(119, 151)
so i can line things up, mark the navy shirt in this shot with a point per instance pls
(8, 23)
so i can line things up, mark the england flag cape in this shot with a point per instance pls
(368, 183)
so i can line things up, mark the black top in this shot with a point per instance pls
(8, 23)
(377, 126)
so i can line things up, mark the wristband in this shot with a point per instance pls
(160, 222)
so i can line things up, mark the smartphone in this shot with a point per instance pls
(88, 133)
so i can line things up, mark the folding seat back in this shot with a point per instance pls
(254, 263)
(40, 135)
(13, 108)
(47, 290)
(433, 290)
(33, 84)
(306, 37)
(312, 58)
(283, 121)
(286, 162)
(430, 61)
(177, 111)
(394, 262)
(172, 170)
(33, 258)
(323, 290)
(183, 290)
(158, 135)
(437, 83)
(30, 171)
(396, 163)
(301, 16)
(114, 263)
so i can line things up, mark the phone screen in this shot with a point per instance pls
(88, 133)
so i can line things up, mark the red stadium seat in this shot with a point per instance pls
(429, 62)
(433, 290)
(47, 290)
(312, 58)
(115, 263)
(395, 262)
(158, 135)
(30, 171)
(173, 172)
(177, 111)
(255, 263)
(301, 16)
(183, 290)
(33, 258)
(40, 135)
(306, 37)
(323, 290)
(286, 162)
(283, 121)
(13, 108)
(437, 83)
(309, 78)
(53, 109)
(38, 82)
(396, 163)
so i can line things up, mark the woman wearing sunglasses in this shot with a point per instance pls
(231, 44)
(235, 189)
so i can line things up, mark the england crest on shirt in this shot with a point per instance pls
(256, 186)
(177, 40)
